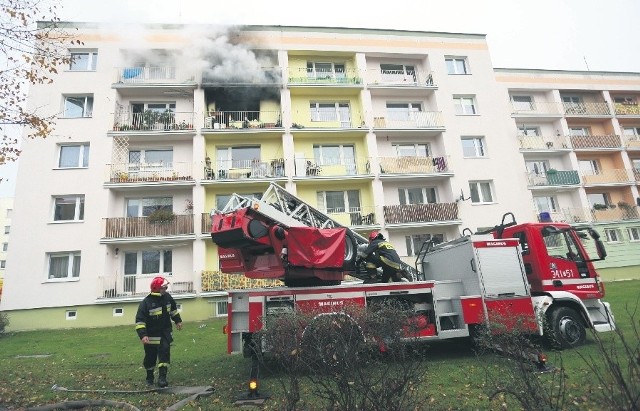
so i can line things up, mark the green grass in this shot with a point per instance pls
(111, 359)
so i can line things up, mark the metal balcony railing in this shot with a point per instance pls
(554, 178)
(354, 216)
(614, 213)
(153, 75)
(413, 165)
(331, 167)
(420, 213)
(632, 142)
(586, 109)
(590, 142)
(329, 77)
(536, 108)
(408, 120)
(132, 227)
(326, 119)
(629, 109)
(243, 169)
(234, 120)
(219, 281)
(608, 176)
(543, 142)
(127, 286)
(396, 78)
(148, 172)
(153, 121)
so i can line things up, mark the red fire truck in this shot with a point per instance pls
(538, 271)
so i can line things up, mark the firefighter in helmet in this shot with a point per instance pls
(153, 325)
(380, 253)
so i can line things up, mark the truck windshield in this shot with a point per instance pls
(561, 244)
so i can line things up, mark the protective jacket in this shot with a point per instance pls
(154, 316)
(384, 252)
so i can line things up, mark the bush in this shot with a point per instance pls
(4, 322)
(161, 215)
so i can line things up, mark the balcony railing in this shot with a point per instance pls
(627, 109)
(632, 142)
(127, 286)
(586, 109)
(412, 120)
(149, 172)
(589, 142)
(327, 77)
(536, 108)
(153, 121)
(326, 119)
(554, 178)
(219, 281)
(600, 214)
(236, 120)
(153, 75)
(413, 165)
(543, 142)
(420, 213)
(608, 176)
(331, 167)
(243, 169)
(354, 216)
(399, 78)
(132, 227)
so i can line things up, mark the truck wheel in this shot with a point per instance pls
(565, 328)
(350, 251)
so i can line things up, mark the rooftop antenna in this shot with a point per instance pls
(585, 62)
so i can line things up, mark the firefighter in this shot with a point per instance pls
(153, 325)
(380, 253)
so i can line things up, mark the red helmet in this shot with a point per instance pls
(375, 234)
(158, 283)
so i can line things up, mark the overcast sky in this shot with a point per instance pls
(543, 34)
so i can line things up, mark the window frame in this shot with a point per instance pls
(72, 257)
(551, 201)
(413, 239)
(347, 207)
(478, 184)
(83, 156)
(329, 111)
(527, 103)
(147, 202)
(427, 193)
(79, 204)
(92, 60)
(634, 234)
(417, 148)
(461, 108)
(616, 233)
(480, 150)
(5, 247)
(87, 106)
(452, 66)
(3, 264)
(162, 255)
(333, 73)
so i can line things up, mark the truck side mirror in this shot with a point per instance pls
(602, 253)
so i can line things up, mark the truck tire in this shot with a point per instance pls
(350, 251)
(565, 328)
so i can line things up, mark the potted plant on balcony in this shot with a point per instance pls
(161, 216)
(166, 118)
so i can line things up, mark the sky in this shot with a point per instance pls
(541, 34)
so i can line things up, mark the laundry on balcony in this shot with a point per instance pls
(131, 72)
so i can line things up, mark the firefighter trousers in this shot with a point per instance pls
(159, 353)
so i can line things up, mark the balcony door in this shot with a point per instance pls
(336, 157)
(418, 195)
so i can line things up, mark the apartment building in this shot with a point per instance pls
(411, 133)
(6, 210)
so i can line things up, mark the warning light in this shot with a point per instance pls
(256, 206)
(253, 385)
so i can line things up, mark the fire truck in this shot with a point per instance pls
(537, 271)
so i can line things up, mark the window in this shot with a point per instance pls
(63, 266)
(7, 229)
(626, 100)
(221, 308)
(473, 146)
(590, 167)
(414, 242)
(118, 312)
(464, 105)
(71, 314)
(148, 262)
(334, 155)
(325, 70)
(5, 246)
(142, 207)
(237, 157)
(633, 233)
(78, 106)
(537, 167)
(3, 263)
(397, 73)
(73, 156)
(331, 111)
(456, 65)
(83, 60)
(151, 156)
(613, 235)
(631, 132)
(9, 212)
(545, 204)
(426, 195)
(339, 201)
(68, 208)
(480, 192)
(403, 111)
(412, 150)
(522, 103)
(599, 198)
(635, 163)
(573, 105)
(223, 199)
(528, 131)
(579, 131)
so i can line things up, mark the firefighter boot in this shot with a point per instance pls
(162, 377)
(150, 377)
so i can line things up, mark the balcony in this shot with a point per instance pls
(632, 142)
(536, 109)
(355, 216)
(332, 167)
(153, 121)
(554, 178)
(329, 119)
(586, 109)
(614, 212)
(137, 173)
(421, 213)
(137, 286)
(227, 121)
(399, 78)
(153, 76)
(543, 143)
(609, 176)
(218, 281)
(403, 166)
(627, 109)
(344, 77)
(244, 169)
(611, 141)
(136, 227)
(411, 120)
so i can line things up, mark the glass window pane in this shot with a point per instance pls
(64, 208)
(74, 107)
(79, 61)
(130, 263)
(475, 195)
(414, 196)
(486, 192)
(69, 156)
(167, 261)
(335, 201)
(58, 266)
(150, 262)
(76, 266)
(159, 156)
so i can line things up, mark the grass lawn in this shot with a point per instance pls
(111, 359)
